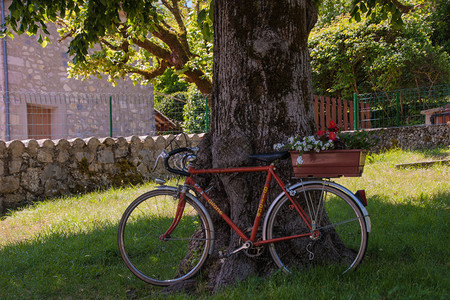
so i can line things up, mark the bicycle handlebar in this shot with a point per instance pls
(171, 153)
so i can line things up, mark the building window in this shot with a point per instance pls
(39, 121)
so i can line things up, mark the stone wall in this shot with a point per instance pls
(33, 170)
(413, 137)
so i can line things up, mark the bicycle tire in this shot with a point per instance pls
(178, 257)
(340, 240)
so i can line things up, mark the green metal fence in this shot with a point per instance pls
(398, 108)
(32, 115)
(181, 112)
(71, 115)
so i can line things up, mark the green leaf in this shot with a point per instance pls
(45, 42)
(363, 7)
(206, 32)
(357, 16)
(201, 17)
(211, 11)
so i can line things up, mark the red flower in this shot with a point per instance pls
(321, 132)
(332, 126)
(332, 136)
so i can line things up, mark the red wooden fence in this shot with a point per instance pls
(328, 109)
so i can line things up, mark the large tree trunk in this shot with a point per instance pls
(262, 93)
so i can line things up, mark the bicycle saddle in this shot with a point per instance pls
(270, 157)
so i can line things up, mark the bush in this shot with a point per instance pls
(195, 114)
(366, 56)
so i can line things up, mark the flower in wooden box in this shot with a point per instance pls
(329, 163)
(329, 153)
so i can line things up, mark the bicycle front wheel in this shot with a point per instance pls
(172, 259)
(338, 238)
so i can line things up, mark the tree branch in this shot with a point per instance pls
(62, 23)
(109, 45)
(197, 77)
(402, 7)
(175, 10)
(168, 27)
(153, 48)
(179, 56)
(182, 34)
(148, 74)
(177, 14)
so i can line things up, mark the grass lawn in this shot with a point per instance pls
(67, 248)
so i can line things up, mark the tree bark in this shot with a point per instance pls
(262, 94)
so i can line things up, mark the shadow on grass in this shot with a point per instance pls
(84, 265)
(437, 153)
(414, 231)
(410, 237)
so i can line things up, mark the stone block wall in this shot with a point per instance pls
(418, 137)
(34, 170)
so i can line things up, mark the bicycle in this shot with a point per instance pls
(166, 235)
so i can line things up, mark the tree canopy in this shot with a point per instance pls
(144, 38)
(372, 55)
(138, 38)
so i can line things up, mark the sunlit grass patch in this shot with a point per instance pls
(69, 215)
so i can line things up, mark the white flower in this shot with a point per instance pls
(304, 144)
(299, 160)
(278, 147)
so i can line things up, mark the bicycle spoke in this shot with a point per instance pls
(163, 261)
(339, 238)
(340, 223)
(184, 239)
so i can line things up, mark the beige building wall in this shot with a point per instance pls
(38, 76)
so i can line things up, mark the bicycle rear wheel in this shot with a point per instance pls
(339, 240)
(177, 257)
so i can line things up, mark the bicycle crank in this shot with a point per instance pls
(253, 251)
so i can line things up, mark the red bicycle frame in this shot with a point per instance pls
(270, 175)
